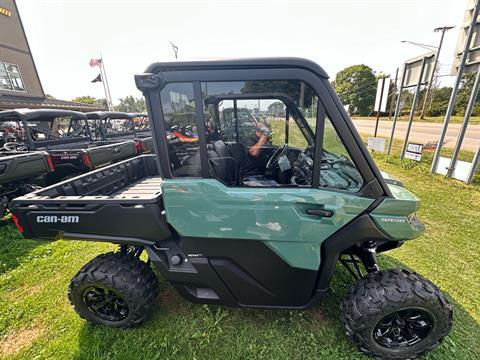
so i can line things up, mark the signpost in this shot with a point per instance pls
(465, 61)
(416, 72)
(460, 65)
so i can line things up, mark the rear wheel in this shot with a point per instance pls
(396, 314)
(114, 289)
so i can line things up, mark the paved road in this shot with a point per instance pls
(422, 132)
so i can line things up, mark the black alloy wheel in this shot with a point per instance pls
(105, 303)
(403, 328)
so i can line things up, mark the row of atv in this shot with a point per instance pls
(44, 146)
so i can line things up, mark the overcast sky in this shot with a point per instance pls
(65, 35)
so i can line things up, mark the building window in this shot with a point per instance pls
(10, 77)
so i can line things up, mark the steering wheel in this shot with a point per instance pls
(14, 146)
(273, 161)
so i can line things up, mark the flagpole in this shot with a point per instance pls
(106, 83)
(102, 79)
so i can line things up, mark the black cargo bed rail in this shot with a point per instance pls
(105, 185)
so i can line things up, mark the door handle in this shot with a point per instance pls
(320, 212)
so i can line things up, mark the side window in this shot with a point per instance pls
(260, 133)
(338, 170)
(178, 108)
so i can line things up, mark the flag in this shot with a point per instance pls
(97, 79)
(95, 62)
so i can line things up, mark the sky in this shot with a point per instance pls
(64, 35)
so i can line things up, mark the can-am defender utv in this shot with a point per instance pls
(247, 215)
(65, 135)
(116, 126)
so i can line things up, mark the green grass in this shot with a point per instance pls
(474, 120)
(37, 322)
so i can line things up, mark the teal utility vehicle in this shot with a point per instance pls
(249, 215)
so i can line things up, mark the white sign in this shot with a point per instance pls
(414, 151)
(376, 144)
(383, 106)
(413, 67)
(461, 172)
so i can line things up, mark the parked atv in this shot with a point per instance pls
(65, 135)
(20, 173)
(257, 224)
(114, 126)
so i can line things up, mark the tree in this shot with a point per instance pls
(356, 86)
(291, 88)
(463, 95)
(277, 108)
(440, 99)
(131, 104)
(86, 99)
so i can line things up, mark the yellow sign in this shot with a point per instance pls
(5, 12)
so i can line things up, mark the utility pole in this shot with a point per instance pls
(382, 77)
(392, 102)
(302, 95)
(443, 29)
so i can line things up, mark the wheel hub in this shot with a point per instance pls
(403, 328)
(105, 303)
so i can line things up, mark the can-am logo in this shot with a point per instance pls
(58, 219)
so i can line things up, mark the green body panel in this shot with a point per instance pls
(106, 154)
(207, 208)
(396, 216)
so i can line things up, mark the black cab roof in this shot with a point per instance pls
(225, 64)
(101, 115)
(31, 114)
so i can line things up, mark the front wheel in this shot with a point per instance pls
(114, 289)
(396, 314)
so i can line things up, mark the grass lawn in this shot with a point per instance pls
(474, 120)
(37, 322)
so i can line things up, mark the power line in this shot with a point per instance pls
(370, 83)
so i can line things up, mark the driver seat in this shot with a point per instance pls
(226, 166)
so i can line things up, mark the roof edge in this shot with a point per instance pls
(266, 62)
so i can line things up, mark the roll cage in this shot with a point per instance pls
(101, 121)
(25, 116)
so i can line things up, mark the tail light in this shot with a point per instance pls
(136, 147)
(142, 146)
(50, 163)
(17, 223)
(86, 161)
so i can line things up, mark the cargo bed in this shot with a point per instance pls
(20, 166)
(124, 198)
